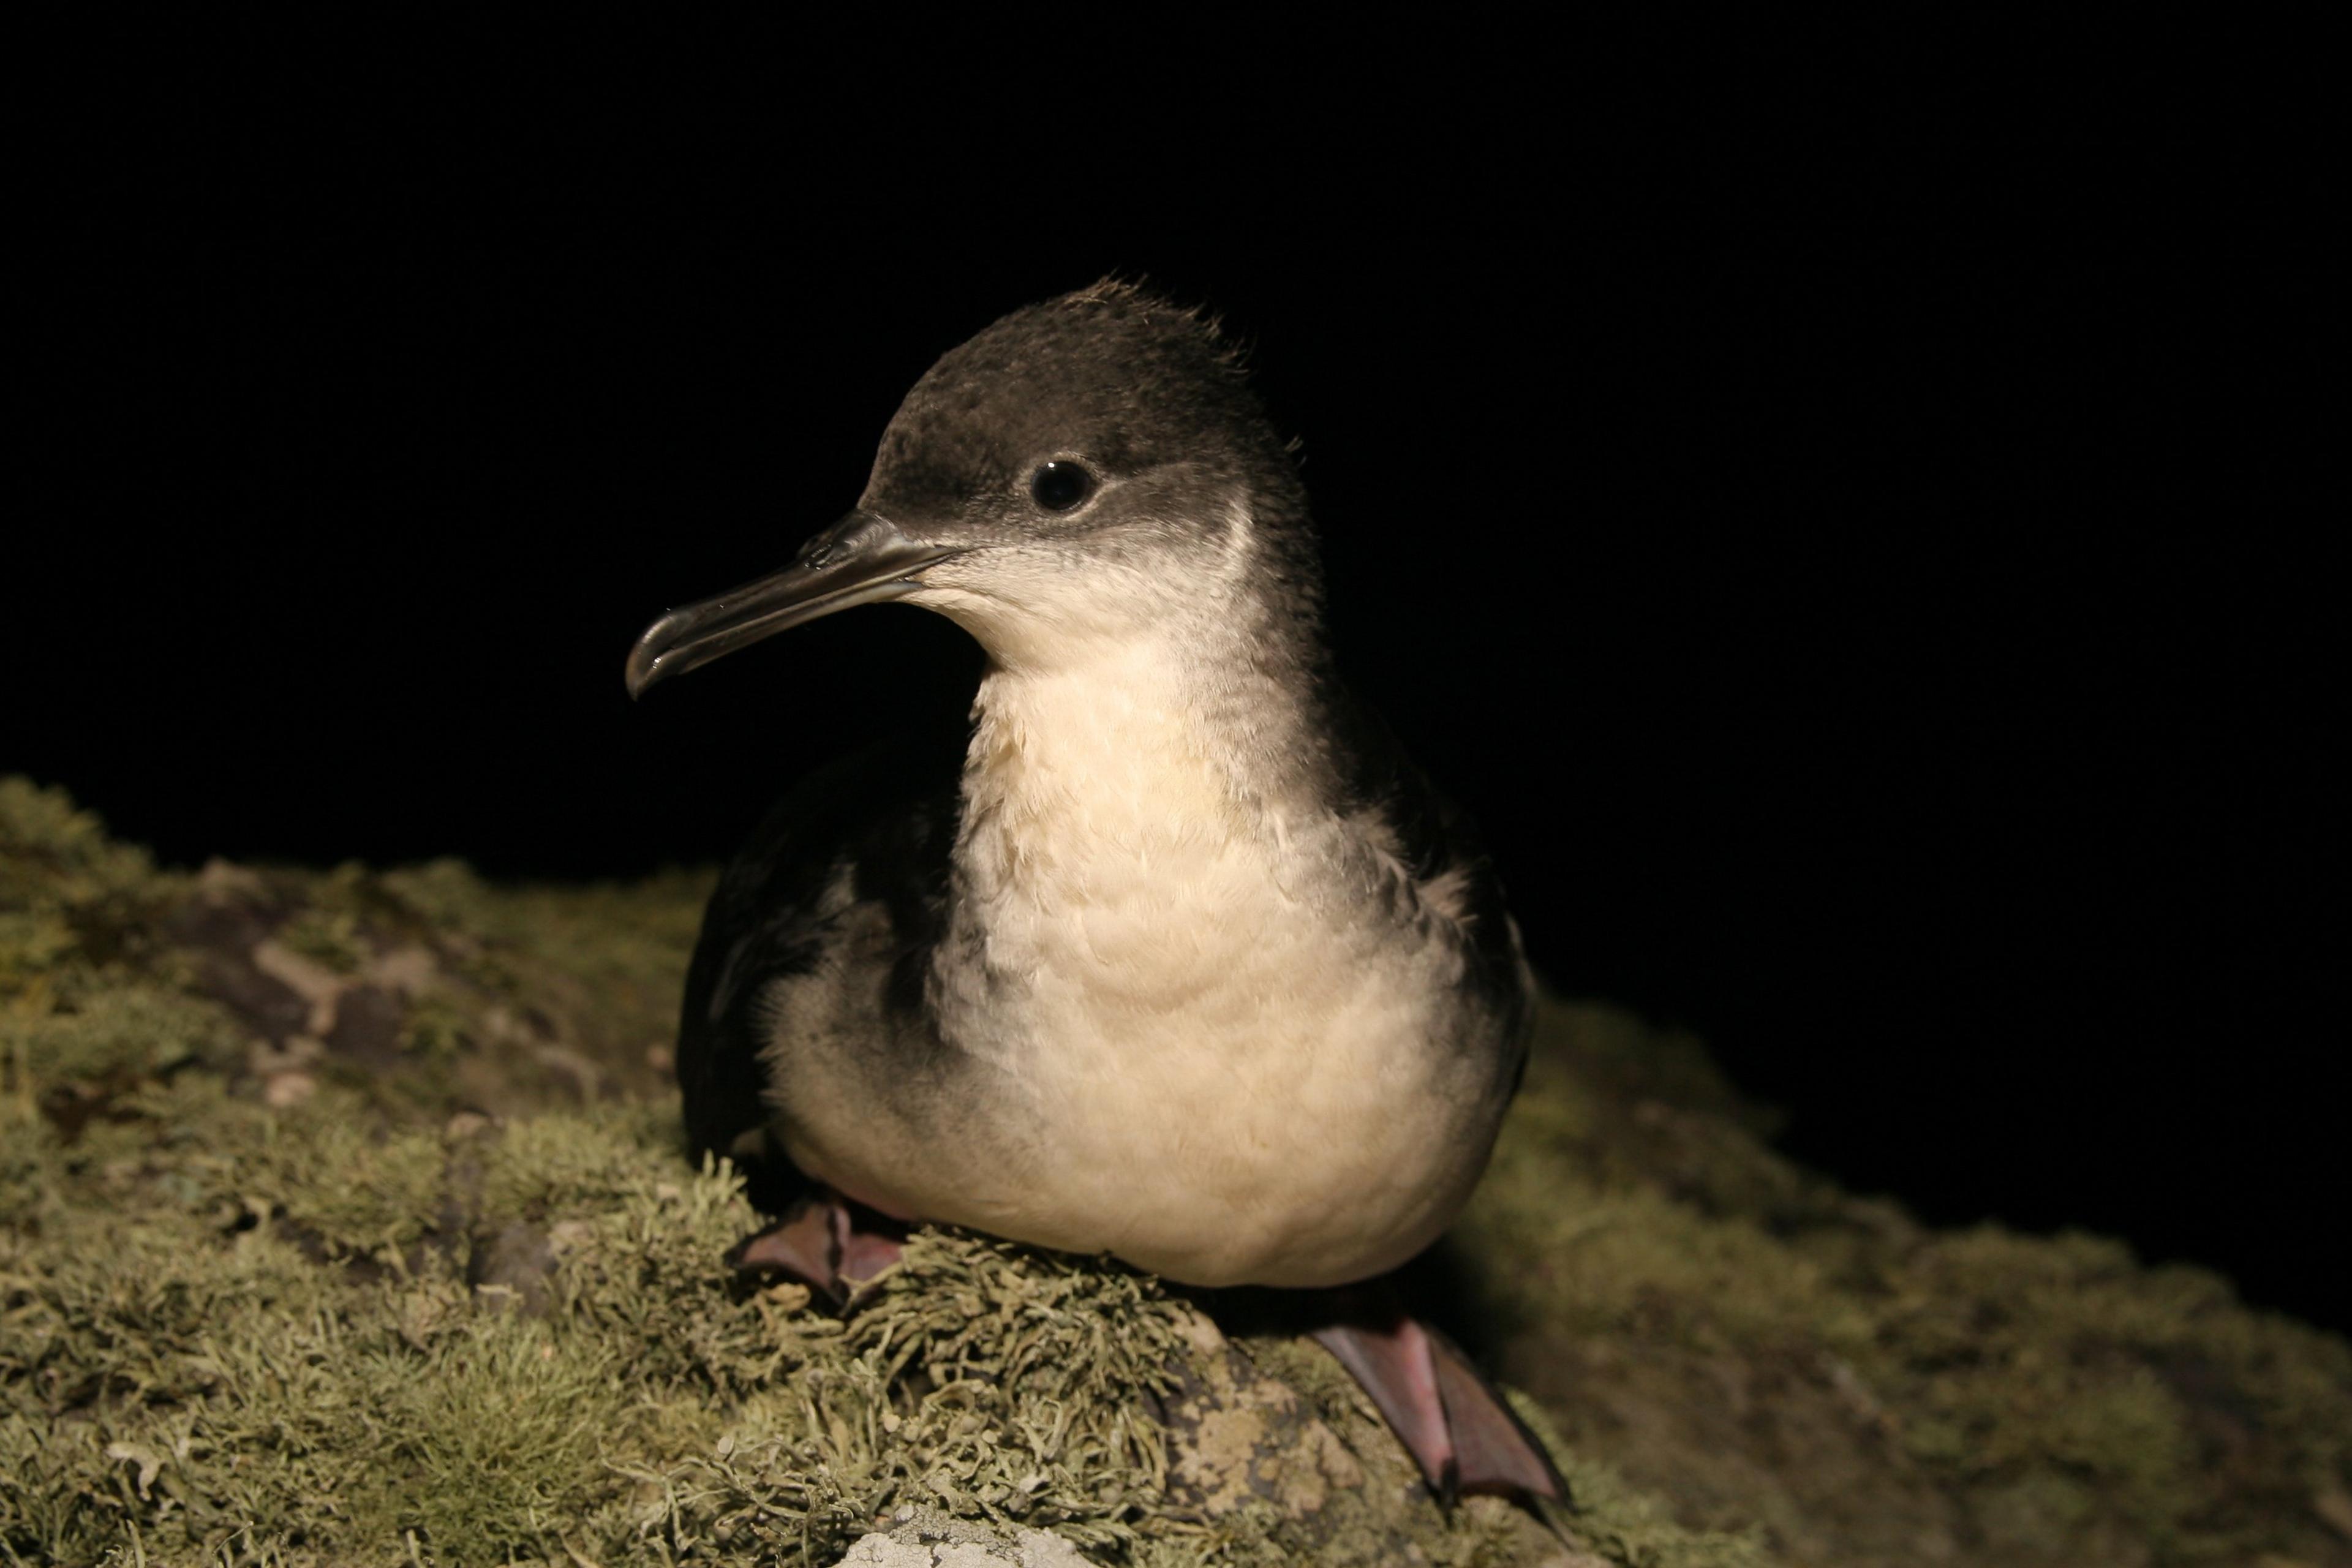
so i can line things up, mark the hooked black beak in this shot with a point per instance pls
(861, 560)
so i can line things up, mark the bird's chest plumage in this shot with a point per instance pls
(1232, 1065)
(1115, 881)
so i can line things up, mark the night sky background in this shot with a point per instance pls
(1861, 580)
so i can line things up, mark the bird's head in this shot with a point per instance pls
(1086, 472)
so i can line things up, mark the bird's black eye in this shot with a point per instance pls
(1058, 487)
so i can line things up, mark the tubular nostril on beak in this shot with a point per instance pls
(839, 542)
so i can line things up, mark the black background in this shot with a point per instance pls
(1861, 578)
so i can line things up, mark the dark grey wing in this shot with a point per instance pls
(1435, 837)
(886, 820)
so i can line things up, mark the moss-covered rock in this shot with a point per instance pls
(343, 1218)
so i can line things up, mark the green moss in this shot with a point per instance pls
(423, 1276)
(1630, 1526)
(500, 1446)
(53, 854)
(327, 937)
(2033, 1365)
(1781, 1343)
(610, 958)
(132, 1030)
(182, 1347)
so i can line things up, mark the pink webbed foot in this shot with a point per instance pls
(1451, 1419)
(825, 1242)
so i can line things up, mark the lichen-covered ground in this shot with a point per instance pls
(344, 1220)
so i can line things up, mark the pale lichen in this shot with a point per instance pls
(343, 1218)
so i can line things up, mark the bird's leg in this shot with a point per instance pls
(824, 1243)
(1398, 1368)
(866, 1250)
(1451, 1419)
(800, 1245)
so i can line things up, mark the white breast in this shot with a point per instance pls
(1234, 1062)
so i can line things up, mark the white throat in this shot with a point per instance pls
(1176, 973)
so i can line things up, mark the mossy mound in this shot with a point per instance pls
(344, 1219)
(1764, 1348)
(227, 1318)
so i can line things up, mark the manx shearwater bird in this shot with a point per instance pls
(1173, 955)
